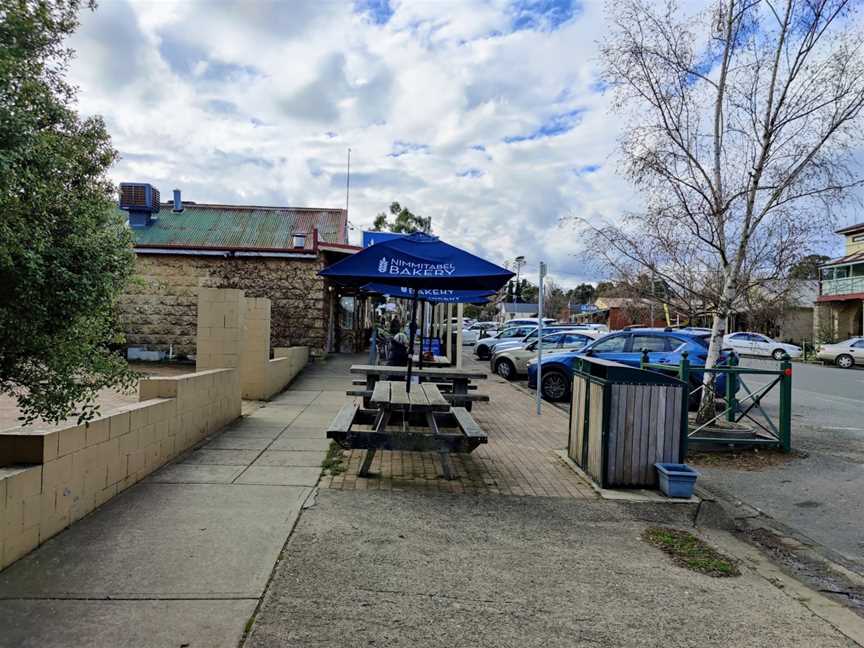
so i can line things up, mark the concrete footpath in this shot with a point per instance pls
(183, 557)
(421, 569)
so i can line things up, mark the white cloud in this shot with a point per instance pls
(258, 103)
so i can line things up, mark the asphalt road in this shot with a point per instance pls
(821, 492)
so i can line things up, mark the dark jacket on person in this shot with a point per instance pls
(398, 351)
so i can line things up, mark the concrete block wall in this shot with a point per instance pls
(287, 362)
(51, 478)
(235, 328)
(221, 318)
(255, 375)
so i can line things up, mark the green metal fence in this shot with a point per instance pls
(737, 407)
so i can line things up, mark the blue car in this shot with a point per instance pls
(664, 346)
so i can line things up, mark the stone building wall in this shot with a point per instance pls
(159, 308)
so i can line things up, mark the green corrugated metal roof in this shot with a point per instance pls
(240, 227)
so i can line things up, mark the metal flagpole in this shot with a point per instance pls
(413, 330)
(422, 326)
(540, 333)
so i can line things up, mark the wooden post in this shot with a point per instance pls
(448, 341)
(459, 310)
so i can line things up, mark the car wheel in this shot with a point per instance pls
(845, 361)
(554, 385)
(778, 354)
(482, 352)
(505, 369)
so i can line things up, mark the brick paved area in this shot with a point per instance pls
(519, 459)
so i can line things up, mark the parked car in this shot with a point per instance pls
(528, 321)
(532, 336)
(602, 328)
(756, 344)
(510, 363)
(663, 346)
(484, 346)
(844, 354)
(478, 330)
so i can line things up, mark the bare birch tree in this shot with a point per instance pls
(740, 127)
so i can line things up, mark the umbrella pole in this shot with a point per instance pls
(422, 326)
(413, 330)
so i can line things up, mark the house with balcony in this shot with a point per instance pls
(840, 306)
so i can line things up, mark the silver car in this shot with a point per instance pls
(485, 346)
(844, 354)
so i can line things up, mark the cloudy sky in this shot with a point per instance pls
(486, 115)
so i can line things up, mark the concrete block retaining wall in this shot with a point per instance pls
(51, 478)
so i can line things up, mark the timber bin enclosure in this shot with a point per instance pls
(623, 420)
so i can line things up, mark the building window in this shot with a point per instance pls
(858, 239)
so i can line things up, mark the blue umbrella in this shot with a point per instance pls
(432, 295)
(417, 261)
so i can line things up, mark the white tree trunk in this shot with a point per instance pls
(718, 331)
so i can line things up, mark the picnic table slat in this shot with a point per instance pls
(418, 397)
(381, 392)
(434, 396)
(399, 395)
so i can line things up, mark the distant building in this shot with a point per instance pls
(618, 312)
(273, 252)
(840, 305)
(509, 310)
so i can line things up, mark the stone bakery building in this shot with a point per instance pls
(273, 252)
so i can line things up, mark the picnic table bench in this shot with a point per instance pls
(423, 406)
(456, 383)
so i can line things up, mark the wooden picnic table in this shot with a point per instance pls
(436, 361)
(428, 423)
(458, 381)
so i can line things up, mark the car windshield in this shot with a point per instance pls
(703, 340)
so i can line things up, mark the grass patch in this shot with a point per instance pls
(334, 462)
(689, 551)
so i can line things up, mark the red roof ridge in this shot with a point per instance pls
(196, 205)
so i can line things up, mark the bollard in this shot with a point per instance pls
(786, 403)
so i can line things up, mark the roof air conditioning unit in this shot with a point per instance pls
(139, 197)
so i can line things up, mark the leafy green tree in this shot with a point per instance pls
(65, 254)
(808, 267)
(404, 221)
(582, 294)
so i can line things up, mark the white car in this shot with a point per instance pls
(845, 354)
(471, 334)
(756, 344)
